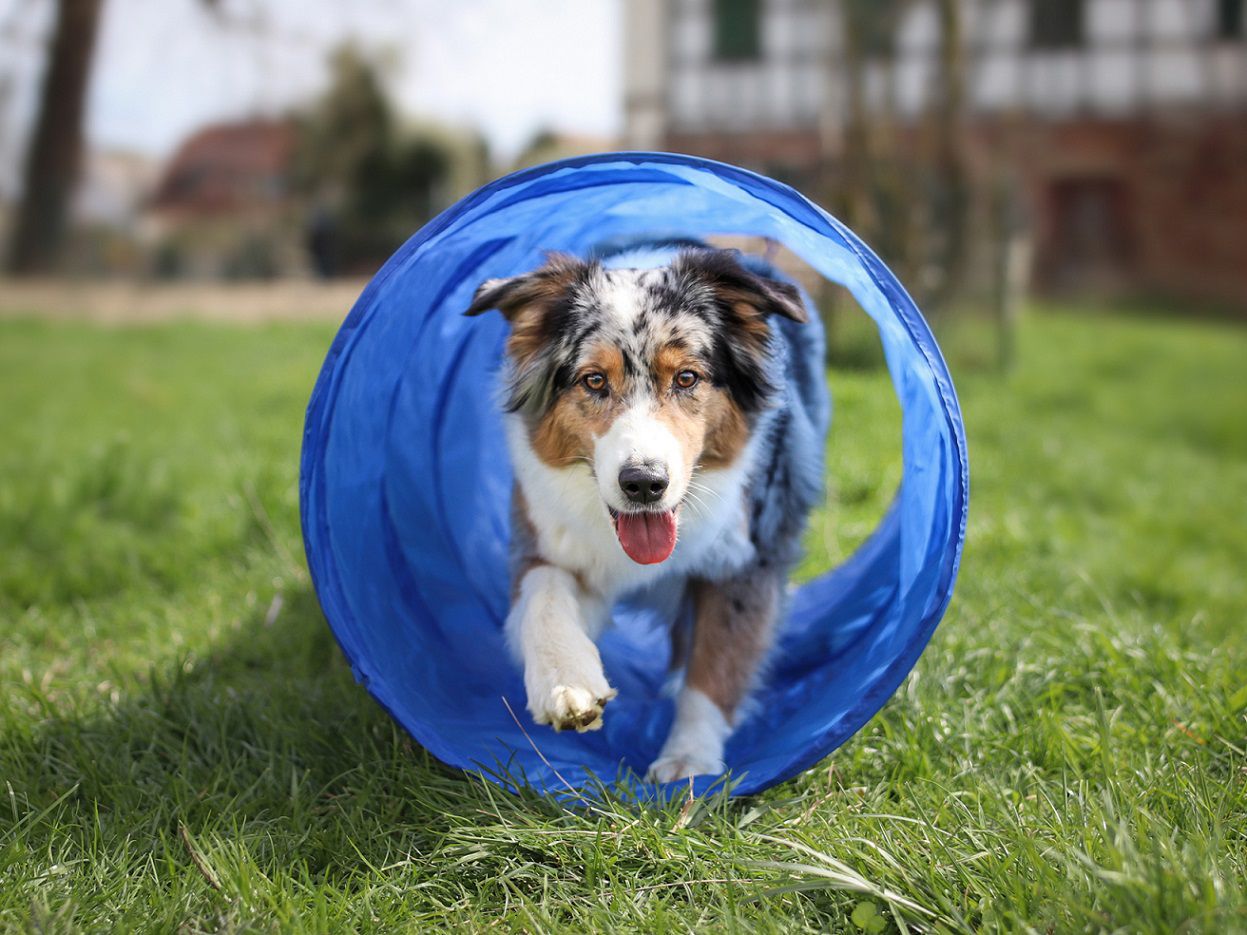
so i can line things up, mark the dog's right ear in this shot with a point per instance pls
(538, 288)
(507, 295)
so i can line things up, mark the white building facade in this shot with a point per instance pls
(1117, 113)
(1050, 58)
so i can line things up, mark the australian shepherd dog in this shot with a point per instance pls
(665, 412)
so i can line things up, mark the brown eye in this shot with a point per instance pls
(594, 381)
(686, 379)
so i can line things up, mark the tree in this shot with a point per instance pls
(857, 162)
(904, 186)
(348, 132)
(54, 155)
(369, 183)
(952, 177)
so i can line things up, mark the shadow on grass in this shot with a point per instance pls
(265, 749)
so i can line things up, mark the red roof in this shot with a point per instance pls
(229, 167)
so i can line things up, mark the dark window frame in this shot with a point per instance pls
(1058, 24)
(878, 22)
(737, 30)
(1228, 26)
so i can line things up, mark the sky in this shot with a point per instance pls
(166, 67)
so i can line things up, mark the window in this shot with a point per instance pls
(875, 23)
(737, 30)
(1093, 225)
(1229, 19)
(1056, 24)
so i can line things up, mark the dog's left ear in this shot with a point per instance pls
(723, 272)
(781, 298)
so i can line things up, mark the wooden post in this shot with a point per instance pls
(1013, 261)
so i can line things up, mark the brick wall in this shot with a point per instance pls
(1150, 206)
(1169, 192)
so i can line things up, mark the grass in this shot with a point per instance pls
(181, 747)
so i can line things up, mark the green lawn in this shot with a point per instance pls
(181, 745)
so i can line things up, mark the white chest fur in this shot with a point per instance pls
(575, 532)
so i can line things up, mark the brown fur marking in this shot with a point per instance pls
(709, 425)
(527, 311)
(711, 428)
(727, 432)
(734, 625)
(565, 434)
(750, 319)
(523, 542)
(523, 301)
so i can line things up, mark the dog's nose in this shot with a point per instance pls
(643, 484)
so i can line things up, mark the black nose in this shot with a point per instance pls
(643, 484)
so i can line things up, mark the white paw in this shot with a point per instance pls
(570, 707)
(569, 704)
(695, 745)
(675, 766)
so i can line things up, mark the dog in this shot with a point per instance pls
(665, 408)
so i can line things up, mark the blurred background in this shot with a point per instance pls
(233, 140)
(194, 192)
(986, 148)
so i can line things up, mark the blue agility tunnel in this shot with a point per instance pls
(405, 488)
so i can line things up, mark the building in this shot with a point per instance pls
(224, 204)
(113, 188)
(229, 168)
(1122, 123)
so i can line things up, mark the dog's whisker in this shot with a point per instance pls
(696, 503)
(572, 459)
(703, 488)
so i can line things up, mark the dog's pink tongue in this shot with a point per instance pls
(648, 538)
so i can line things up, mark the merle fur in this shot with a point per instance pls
(712, 286)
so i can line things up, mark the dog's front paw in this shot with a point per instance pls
(568, 696)
(571, 707)
(671, 767)
(695, 744)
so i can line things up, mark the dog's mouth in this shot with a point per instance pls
(647, 537)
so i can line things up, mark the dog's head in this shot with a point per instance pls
(646, 376)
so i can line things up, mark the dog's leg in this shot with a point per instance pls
(735, 622)
(551, 628)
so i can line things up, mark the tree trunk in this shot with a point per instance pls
(844, 159)
(855, 181)
(950, 163)
(55, 152)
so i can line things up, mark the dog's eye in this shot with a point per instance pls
(686, 379)
(595, 382)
